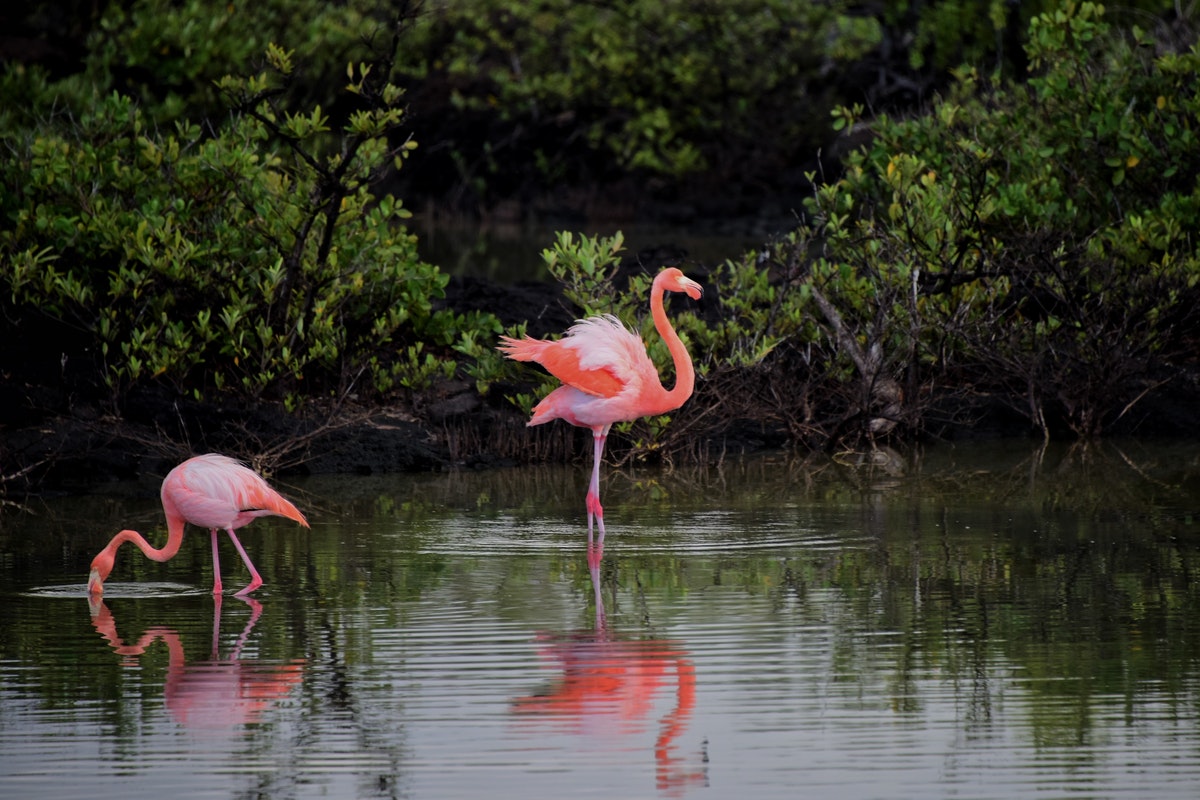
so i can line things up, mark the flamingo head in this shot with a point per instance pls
(102, 565)
(672, 279)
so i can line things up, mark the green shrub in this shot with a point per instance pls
(565, 90)
(168, 55)
(1038, 234)
(253, 258)
(1032, 242)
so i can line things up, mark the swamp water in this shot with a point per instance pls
(982, 621)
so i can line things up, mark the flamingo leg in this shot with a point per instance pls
(594, 556)
(255, 579)
(216, 564)
(595, 510)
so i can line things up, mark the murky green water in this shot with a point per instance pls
(975, 622)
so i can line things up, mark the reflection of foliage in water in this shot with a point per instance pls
(1069, 572)
(1066, 573)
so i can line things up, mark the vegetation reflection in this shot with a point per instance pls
(1053, 586)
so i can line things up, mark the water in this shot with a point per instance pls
(991, 621)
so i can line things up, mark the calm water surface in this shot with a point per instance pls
(991, 621)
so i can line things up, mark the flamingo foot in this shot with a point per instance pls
(254, 584)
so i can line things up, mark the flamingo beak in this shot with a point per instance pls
(95, 584)
(693, 289)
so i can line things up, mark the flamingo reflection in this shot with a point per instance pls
(216, 693)
(610, 686)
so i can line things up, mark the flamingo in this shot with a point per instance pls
(608, 377)
(212, 491)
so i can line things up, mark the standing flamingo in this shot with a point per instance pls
(608, 377)
(212, 491)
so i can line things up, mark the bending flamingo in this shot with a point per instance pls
(608, 377)
(212, 491)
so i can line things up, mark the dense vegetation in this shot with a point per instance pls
(209, 206)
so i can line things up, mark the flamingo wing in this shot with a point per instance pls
(216, 491)
(598, 356)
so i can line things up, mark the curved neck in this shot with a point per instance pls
(685, 375)
(165, 553)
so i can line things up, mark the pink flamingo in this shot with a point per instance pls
(608, 377)
(212, 491)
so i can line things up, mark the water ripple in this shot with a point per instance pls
(694, 534)
(135, 590)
